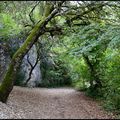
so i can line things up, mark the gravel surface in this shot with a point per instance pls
(55, 103)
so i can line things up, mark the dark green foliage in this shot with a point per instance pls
(88, 51)
(99, 47)
(112, 80)
(56, 76)
(20, 78)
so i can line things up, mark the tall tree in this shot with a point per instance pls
(74, 15)
(38, 30)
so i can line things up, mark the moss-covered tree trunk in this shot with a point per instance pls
(39, 29)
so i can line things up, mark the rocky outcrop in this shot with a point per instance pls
(4, 60)
(36, 73)
(7, 49)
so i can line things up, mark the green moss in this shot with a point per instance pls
(7, 84)
(9, 79)
(48, 9)
(27, 43)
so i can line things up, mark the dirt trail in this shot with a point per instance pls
(58, 103)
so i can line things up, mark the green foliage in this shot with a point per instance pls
(20, 78)
(101, 44)
(80, 85)
(56, 76)
(79, 72)
(86, 54)
(112, 80)
(8, 27)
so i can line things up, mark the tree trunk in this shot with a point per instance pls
(93, 73)
(8, 82)
(39, 29)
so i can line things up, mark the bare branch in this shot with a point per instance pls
(31, 12)
(29, 61)
(32, 66)
(86, 12)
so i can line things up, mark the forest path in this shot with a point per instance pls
(58, 103)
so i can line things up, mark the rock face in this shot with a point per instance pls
(13, 44)
(4, 60)
(36, 73)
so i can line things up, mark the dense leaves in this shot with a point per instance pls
(82, 50)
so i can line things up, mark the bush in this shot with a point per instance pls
(56, 76)
(20, 78)
(80, 85)
(112, 81)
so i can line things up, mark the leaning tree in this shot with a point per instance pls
(39, 29)
(74, 14)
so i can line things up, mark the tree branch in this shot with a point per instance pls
(31, 12)
(32, 66)
(29, 61)
(10, 77)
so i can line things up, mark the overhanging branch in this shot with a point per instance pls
(31, 12)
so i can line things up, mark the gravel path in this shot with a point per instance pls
(57, 103)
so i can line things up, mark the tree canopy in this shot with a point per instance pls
(80, 38)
